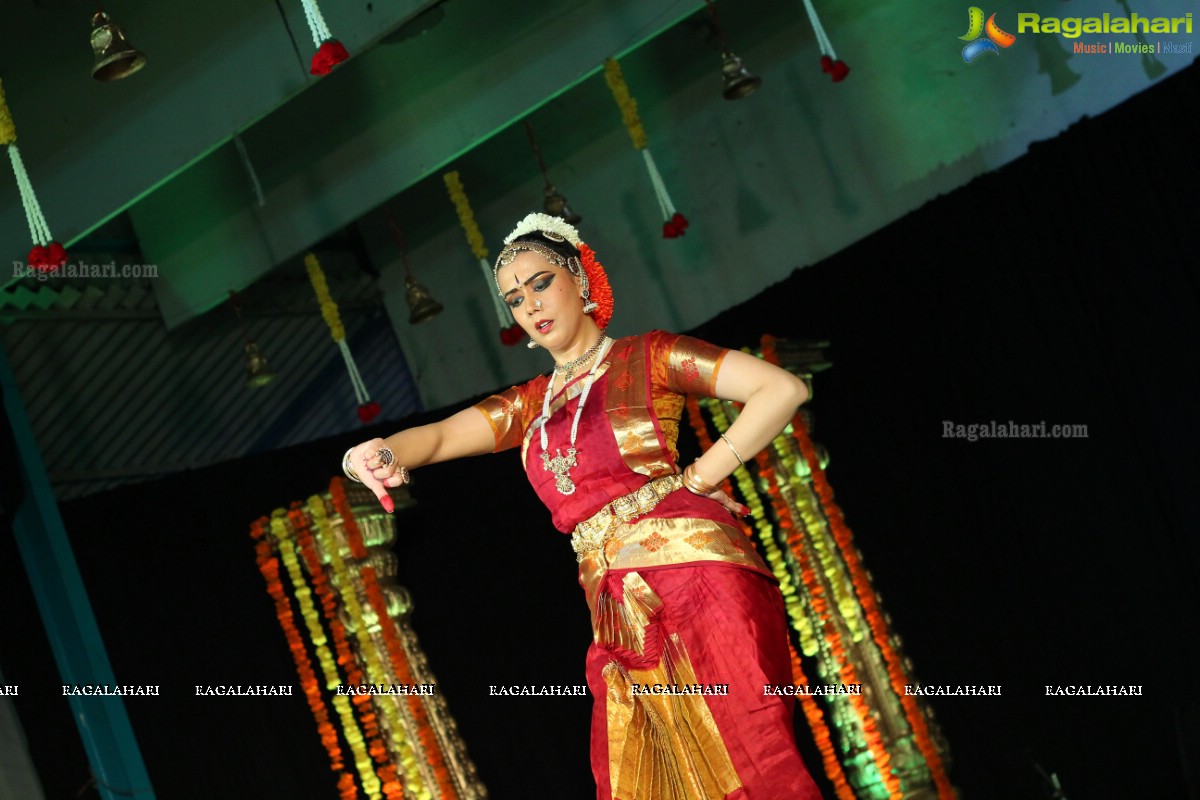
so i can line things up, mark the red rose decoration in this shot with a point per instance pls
(837, 70)
(675, 227)
(368, 411)
(512, 334)
(57, 255)
(39, 258)
(328, 55)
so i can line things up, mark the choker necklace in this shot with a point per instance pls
(561, 465)
(567, 370)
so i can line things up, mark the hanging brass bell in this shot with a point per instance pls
(115, 57)
(739, 81)
(421, 305)
(258, 373)
(555, 205)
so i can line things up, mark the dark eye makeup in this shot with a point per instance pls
(540, 283)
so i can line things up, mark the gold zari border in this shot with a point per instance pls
(660, 747)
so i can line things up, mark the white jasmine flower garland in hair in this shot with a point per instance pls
(544, 223)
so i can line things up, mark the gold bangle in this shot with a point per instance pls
(733, 449)
(695, 484)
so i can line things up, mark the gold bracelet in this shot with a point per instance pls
(733, 449)
(695, 484)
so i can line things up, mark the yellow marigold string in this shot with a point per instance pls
(299, 525)
(8, 129)
(376, 672)
(394, 647)
(510, 330)
(675, 224)
(466, 217)
(833, 567)
(866, 594)
(300, 521)
(629, 111)
(268, 565)
(368, 409)
(846, 670)
(329, 309)
(354, 674)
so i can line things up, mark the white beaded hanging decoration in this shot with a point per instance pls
(330, 52)
(46, 255)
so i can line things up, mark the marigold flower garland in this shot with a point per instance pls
(794, 535)
(46, 255)
(599, 289)
(510, 331)
(395, 648)
(792, 602)
(376, 671)
(368, 409)
(357, 736)
(268, 565)
(866, 595)
(832, 567)
(282, 532)
(674, 224)
(386, 770)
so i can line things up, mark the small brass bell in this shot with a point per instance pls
(258, 373)
(555, 205)
(116, 58)
(739, 82)
(421, 305)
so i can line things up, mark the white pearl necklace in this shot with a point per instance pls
(561, 465)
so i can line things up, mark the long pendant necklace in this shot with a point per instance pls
(561, 465)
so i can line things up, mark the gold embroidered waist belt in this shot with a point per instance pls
(593, 532)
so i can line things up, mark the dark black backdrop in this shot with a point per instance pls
(1062, 287)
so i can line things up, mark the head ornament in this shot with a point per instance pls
(593, 286)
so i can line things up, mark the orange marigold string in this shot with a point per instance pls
(866, 595)
(599, 289)
(367, 722)
(268, 565)
(395, 648)
(820, 606)
(396, 727)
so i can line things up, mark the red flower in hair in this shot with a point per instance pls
(599, 289)
(331, 53)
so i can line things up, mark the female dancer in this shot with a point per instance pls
(688, 622)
